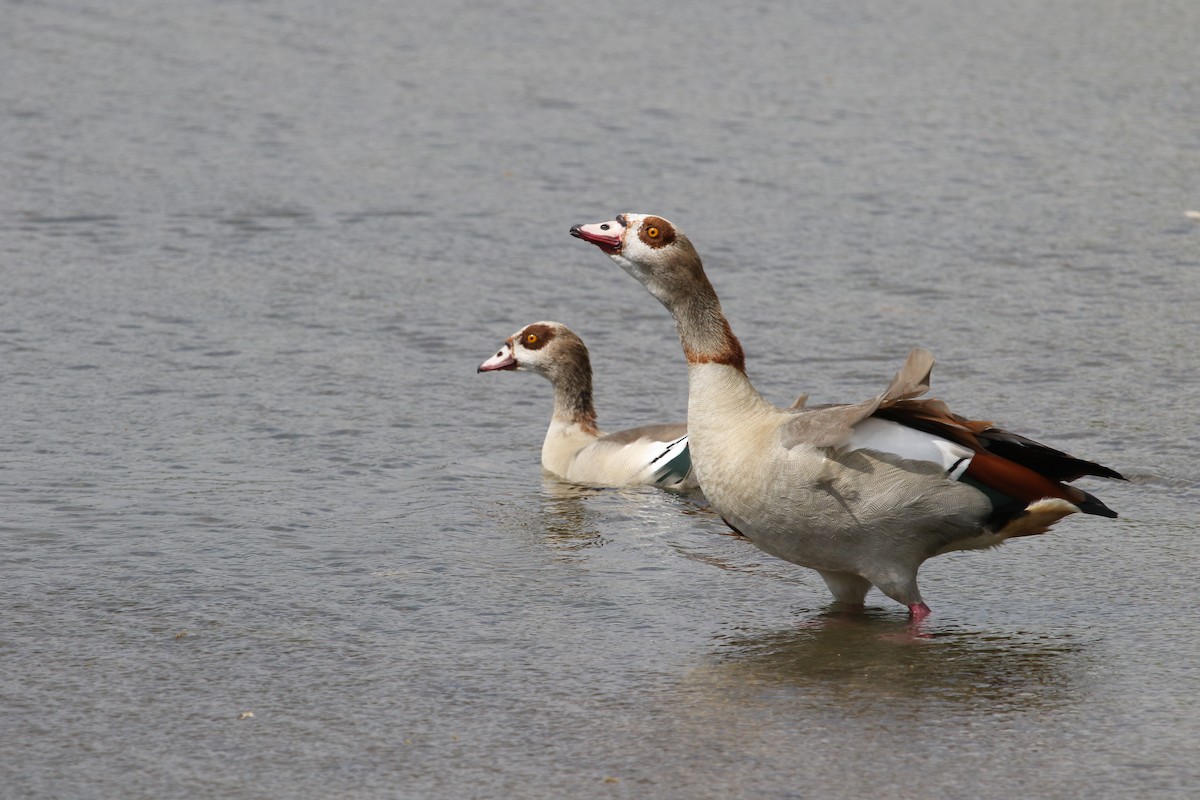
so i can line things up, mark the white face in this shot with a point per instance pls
(523, 350)
(638, 242)
(646, 246)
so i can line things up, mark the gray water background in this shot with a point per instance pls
(251, 253)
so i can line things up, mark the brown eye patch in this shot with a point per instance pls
(535, 337)
(656, 232)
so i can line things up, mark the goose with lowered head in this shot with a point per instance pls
(575, 450)
(863, 493)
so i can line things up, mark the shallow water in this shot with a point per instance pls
(252, 253)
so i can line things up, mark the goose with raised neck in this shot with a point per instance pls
(575, 449)
(863, 493)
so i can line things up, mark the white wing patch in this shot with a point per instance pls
(673, 464)
(892, 437)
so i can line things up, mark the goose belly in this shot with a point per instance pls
(840, 511)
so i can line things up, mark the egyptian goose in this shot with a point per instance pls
(863, 493)
(575, 449)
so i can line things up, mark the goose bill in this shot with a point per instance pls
(502, 360)
(605, 235)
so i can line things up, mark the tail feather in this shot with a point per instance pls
(1037, 518)
(1054, 464)
(1007, 463)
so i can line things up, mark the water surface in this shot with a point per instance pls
(252, 253)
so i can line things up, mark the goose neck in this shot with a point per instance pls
(573, 402)
(704, 331)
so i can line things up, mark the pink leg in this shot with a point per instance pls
(918, 612)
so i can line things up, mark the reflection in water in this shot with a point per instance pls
(566, 519)
(859, 707)
(561, 517)
(859, 661)
(571, 513)
(569, 517)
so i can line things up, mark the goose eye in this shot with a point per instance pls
(652, 232)
(531, 338)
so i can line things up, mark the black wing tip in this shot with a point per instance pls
(1092, 505)
(1051, 462)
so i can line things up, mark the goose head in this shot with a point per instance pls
(652, 250)
(662, 259)
(550, 349)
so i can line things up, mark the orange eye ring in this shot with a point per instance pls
(652, 232)
(531, 338)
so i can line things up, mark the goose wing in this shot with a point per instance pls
(833, 425)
